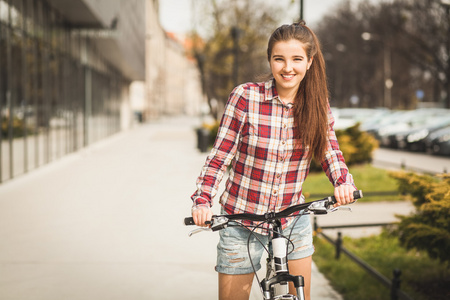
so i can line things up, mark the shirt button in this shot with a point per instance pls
(278, 175)
(283, 143)
(284, 125)
(275, 192)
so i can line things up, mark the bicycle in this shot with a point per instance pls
(275, 284)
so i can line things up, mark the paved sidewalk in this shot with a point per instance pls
(106, 223)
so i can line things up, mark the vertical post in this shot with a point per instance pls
(235, 34)
(9, 90)
(301, 9)
(387, 75)
(315, 226)
(338, 245)
(447, 10)
(395, 287)
(87, 105)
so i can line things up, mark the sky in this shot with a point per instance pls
(175, 15)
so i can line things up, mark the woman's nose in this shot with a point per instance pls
(287, 66)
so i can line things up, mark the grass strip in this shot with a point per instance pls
(367, 178)
(422, 278)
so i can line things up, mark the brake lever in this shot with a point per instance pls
(324, 207)
(333, 209)
(217, 223)
(198, 230)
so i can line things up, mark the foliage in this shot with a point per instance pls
(429, 228)
(397, 41)
(422, 278)
(357, 146)
(217, 53)
(18, 128)
(213, 128)
(399, 46)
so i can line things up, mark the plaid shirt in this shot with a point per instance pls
(256, 137)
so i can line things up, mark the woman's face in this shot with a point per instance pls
(288, 64)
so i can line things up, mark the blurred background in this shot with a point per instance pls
(74, 72)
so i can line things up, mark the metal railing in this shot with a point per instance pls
(393, 284)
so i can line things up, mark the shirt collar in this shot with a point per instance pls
(270, 90)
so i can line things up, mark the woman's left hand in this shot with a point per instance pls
(344, 194)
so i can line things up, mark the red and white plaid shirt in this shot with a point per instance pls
(256, 136)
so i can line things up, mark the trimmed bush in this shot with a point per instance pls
(429, 228)
(357, 146)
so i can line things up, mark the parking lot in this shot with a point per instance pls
(424, 130)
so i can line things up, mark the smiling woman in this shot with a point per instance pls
(269, 133)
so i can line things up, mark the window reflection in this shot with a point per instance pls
(57, 94)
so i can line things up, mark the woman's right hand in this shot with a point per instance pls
(201, 214)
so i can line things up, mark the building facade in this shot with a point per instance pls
(173, 83)
(66, 67)
(66, 72)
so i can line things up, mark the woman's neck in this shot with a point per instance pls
(287, 98)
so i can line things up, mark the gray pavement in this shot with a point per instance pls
(413, 161)
(106, 223)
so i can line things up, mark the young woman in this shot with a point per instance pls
(269, 133)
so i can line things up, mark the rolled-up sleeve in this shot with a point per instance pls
(334, 163)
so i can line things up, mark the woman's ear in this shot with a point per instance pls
(310, 63)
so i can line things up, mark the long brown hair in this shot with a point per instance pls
(310, 104)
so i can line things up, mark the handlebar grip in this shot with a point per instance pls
(356, 195)
(189, 221)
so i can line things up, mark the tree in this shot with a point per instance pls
(217, 54)
(429, 228)
(408, 44)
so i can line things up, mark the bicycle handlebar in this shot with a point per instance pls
(284, 213)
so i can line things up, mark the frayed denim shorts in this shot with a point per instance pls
(232, 253)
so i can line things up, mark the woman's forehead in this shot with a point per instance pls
(290, 47)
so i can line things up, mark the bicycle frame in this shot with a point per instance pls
(281, 270)
(279, 254)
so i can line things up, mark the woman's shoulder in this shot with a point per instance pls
(251, 88)
(250, 85)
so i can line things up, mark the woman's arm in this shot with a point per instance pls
(335, 168)
(220, 157)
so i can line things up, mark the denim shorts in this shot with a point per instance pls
(232, 253)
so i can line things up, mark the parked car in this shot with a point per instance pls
(438, 142)
(414, 139)
(347, 117)
(373, 125)
(406, 122)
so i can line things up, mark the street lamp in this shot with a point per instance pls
(388, 83)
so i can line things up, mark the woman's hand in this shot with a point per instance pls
(344, 194)
(201, 214)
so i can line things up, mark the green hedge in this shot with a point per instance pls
(357, 146)
(429, 228)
